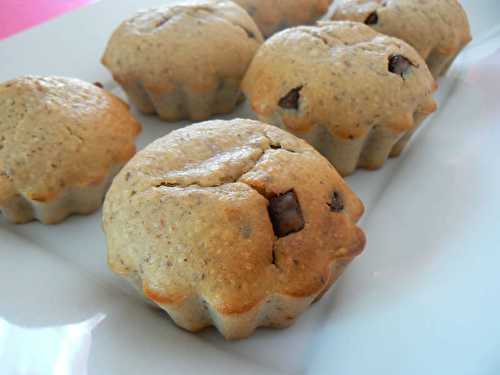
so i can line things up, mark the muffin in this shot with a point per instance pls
(62, 141)
(274, 15)
(354, 94)
(184, 61)
(438, 30)
(235, 224)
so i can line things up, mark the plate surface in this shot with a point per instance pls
(423, 299)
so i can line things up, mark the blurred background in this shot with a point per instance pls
(17, 15)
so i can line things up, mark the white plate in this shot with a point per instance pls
(423, 299)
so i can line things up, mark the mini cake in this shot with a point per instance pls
(235, 224)
(274, 15)
(184, 61)
(438, 30)
(61, 143)
(354, 94)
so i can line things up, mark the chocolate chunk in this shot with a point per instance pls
(162, 22)
(252, 10)
(286, 215)
(98, 84)
(399, 64)
(274, 254)
(250, 33)
(337, 203)
(246, 231)
(291, 100)
(372, 19)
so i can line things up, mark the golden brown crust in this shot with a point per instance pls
(60, 134)
(275, 15)
(338, 77)
(189, 217)
(438, 30)
(184, 60)
(162, 298)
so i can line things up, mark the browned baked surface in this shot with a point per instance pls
(438, 30)
(184, 61)
(344, 80)
(274, 15)
(228, 217)
(59, 133)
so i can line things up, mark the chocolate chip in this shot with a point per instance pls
(291, 100)
(162, 22)
(286, 215)
(399, 64)
(273, 261)
(250, 33)
(336, 203)
(372, 19)
(246, 231)
(98, 84)
(252, 10)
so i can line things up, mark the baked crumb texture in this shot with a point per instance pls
(234, 224)
(438, 30)
(274, 16)
(61, 142)
(184, 61)
(354, 94)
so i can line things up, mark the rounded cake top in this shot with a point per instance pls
(194, 43)
(427, 25)
(273, 16)
(57, 133)
(232, 212)
(342, 75)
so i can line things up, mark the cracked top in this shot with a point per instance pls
(59, 132)
(195, 43)
(341, 75)
(232, 212)
(275, 15)
(425, 24)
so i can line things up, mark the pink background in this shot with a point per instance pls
(17, 15)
